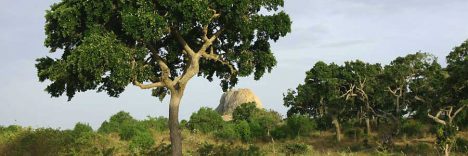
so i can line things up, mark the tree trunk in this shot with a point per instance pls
(368, 126)
(397, 106)
(337, 128)
(176, 138)
(447, 150)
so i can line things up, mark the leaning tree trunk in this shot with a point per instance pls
(337, 128)
(176, 138)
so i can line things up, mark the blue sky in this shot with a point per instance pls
(328, 30)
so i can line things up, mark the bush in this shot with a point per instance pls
(205, 120)
(300, 125)
(461, 145)
(116, 122)
(81, 128)
(263, 122)
(213, 150)
(412, 128)
(280, 132)
(156, 123)
(295, 148)
(162, 150)
(244, 111)
(243, 130)
(141, 143)
(43, 141)
(228, 132)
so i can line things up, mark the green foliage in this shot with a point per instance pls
(136, 132)
(156, 123)
(43, 141)
(300, 125)
(243, 130)
(109, 44)
(205, 120)
(228, 132)
(212, 150)
(263, 122)
(244, 111)
(141, 143)
(295, 148)
(461, 145)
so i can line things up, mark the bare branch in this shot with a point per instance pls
(458, 111)
(148, 86)
(392, 91)
(436, 118)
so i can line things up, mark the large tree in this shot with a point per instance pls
(452, 108)
(323, 95)
(158, 45)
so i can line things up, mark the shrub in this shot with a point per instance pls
(244, 111)
(228, 132)
(300, 125)
(162, 150)
(295, 148)
(116, 122)
(211, 150)
(43, 141)
(205, 120)
(156, 123)
(412, 128)
(141, 143)
(263, 122)
(280, 132)
(81, 128)
(461, 145)
(243, 130)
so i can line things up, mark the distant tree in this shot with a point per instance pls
(456, 101)
(158, 45)
(401, 73)
(245, 111)
(322, 95)
(205, 120)
(361, 81)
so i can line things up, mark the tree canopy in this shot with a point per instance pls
(109, 44)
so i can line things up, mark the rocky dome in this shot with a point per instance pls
(233, 98)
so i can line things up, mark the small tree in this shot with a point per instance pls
(205, 120)
(245, 111)
(158, 45)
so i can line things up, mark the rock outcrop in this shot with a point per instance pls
(233, 98)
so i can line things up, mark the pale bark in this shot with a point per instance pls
(337, 128)
(176, 138)
(368, 126)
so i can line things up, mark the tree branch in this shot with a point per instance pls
(458, 110)
(215, 57)
(148, 86)
(436, 118)
(184, 44)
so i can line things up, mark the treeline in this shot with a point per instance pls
(121, 134)
(411, 88)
